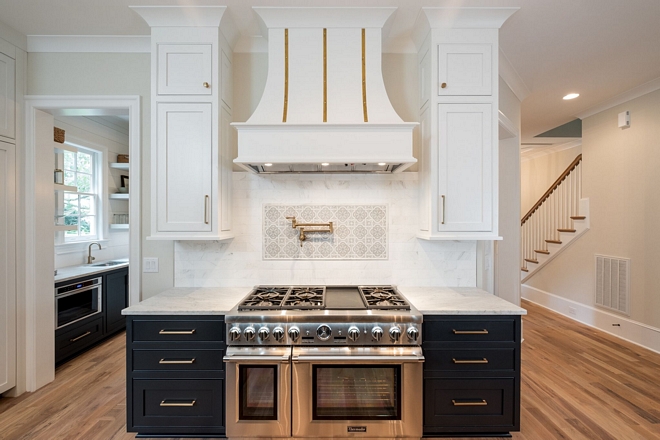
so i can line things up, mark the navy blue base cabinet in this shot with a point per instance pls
(175, 377)
(471, 375)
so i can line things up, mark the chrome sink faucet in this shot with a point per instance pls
(89, 254)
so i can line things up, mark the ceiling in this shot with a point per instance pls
(598, 48)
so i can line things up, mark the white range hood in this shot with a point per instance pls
(324, 107)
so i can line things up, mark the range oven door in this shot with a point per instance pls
(357, 392)
(258, 392)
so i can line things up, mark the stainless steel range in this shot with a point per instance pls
(324, 362)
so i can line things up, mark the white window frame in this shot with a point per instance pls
(62, 245)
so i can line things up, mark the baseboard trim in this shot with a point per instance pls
(635, 332)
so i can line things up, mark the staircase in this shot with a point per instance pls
(559, 217)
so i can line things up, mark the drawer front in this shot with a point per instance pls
(177, 360)
(177, 403)
(184, 330)
(486, 359)
(69, 341)
(474, 403)
(469, 331)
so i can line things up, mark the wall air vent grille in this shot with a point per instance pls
(613, 283)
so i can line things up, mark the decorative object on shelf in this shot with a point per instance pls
(124, 182)
(59, 176)
(304, 228)
(58, 135)
(122, 190)
(359, 232)
(122, 158)
(119, 219)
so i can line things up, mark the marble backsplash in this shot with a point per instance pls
(359, 232)
(241, 262)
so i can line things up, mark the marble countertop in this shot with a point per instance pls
(71, 272)
(428, 300)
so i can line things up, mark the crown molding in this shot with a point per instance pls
(12, 36)
(621, 98)
(467, 17)
(173, 16)
(510, 75)
(89, 43)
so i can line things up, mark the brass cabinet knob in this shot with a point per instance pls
(206, 85)
(443, 85)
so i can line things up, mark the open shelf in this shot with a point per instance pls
(66, 227)
(119, 226)
(119, 196)
(119, 166)
(59, 187)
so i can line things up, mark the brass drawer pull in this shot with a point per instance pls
(175, 361)
(477, 403)
(80, 337)
(178, 404)
(470, 361)
(177, 332)
(471, 332)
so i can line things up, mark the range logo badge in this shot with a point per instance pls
(357, 429)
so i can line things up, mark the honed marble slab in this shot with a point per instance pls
(458, 301)
(190, 301)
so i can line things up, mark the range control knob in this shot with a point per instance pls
(294, 333)
(278, 333)
(413, 333)
(395, 333)
(353, 333)
(377, 333)
(264, 333)
(249, 333)
(235, 334)
(323, 332)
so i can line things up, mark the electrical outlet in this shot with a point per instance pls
(572, 311)
(150, 265)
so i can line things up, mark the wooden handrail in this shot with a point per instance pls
(552, 188)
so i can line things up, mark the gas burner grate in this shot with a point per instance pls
(383, 298)
(305, 298)
(264, 298)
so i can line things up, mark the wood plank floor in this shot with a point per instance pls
(577, 383)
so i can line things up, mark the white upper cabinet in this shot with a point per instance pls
(464, 69)
(227, 80)
(465, 167)
(7, 96)
(185, 192)
(185, 69)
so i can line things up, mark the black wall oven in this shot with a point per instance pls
(77, 301)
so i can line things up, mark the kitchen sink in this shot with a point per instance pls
(108, 263)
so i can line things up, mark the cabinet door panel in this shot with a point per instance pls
(7, 268)
(185, 167)
(465, 167)
(183, 69)
(7, 96)
(116, 295)
(465, 69)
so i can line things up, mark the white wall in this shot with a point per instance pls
(411, 262)
(620, 178)
(93, 134)
(110, 74)
(539, 172)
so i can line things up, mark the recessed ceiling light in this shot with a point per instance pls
(268, 164)
(325, 164)
(381, 164)
(571, 96)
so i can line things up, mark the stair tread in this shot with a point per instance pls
(578, 217)
(553, 241)
(529, 260)
(524, 269)
(541, 251)
(566, 230)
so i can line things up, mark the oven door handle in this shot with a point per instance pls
(257, 359)
(356, 359)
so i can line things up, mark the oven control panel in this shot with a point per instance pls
(325, 333)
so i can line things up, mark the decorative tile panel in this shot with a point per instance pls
(360, 232)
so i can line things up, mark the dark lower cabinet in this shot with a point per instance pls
(75, 338)
(175, 376)
(471, 375)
